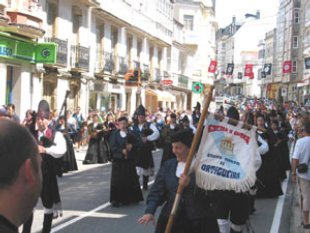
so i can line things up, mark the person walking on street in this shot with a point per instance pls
(52, 145)
(192, 216)
(146, 133)
(300, 168)
(125, 187)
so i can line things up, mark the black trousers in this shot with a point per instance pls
(183, 225)
(230, 205)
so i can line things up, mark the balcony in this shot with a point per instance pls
(79, 58)
(25, 19)
(123, 65)
(136, 64)
(3, 21)
(108, 62)
(157, 75)
(3, 5)
(191, 38)
(145, 75)
(62, 51)
(183, 81)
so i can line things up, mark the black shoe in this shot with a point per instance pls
(307, 226)
(115, 204)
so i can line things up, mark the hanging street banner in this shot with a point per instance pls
(287, 67)
(267, 69)
(197, 87)
(239, 75)
(230, 69)
(226, 157)
(19, 49)
(212, 67)
(248, 71)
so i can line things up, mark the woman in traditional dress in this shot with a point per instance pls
(268, 184)
(96, 152)
(125, 187)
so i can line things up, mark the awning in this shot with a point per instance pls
(19, 49)
(165, 96)
(151, 92)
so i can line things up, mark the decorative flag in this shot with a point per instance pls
(239, 75)
(230, 69)
(287, 67)
(248, 71)
(267, 69)
(307, 63)
(226, 157)
(212, 66)
(263, 74)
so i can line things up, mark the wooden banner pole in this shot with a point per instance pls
(189, 159)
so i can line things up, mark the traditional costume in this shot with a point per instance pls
(55, 145)
(97, 151)
(143, 155)
(125, 187)
(193, 215)
(166, 133)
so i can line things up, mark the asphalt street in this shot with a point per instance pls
(86, 207)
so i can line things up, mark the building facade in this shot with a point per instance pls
(22, 54)
(100, 48)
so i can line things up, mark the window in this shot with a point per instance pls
(296, 16)
(188, 22)
(294, 67)
(307, 14)
(295, 42)
(51, 17)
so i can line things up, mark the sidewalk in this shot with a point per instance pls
(296, 218)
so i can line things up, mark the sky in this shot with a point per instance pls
(226, 9)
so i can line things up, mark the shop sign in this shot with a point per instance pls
(197, 87)
(166, 82)
(22, 50)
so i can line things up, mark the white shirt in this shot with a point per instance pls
(60, 147)
(155, 135)
(180, 169)
(302, 153)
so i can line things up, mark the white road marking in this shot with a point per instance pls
(279, 207)
(84, 215)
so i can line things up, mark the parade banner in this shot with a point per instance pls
(267, 69)
(287, 67)
(226, 157)
(212, 66)
(230, 69)
(248, 71)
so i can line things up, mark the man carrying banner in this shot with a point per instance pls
(192, 216)
(225, 167)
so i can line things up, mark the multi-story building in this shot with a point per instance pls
(240, 44)
(21, 27)
(304, 45)
(225, 52)
(270, 84)
(99, 46)
(199, 39)
(288, 40)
